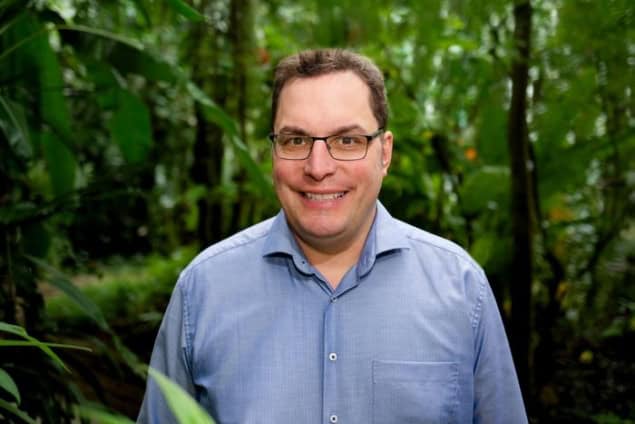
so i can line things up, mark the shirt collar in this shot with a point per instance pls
(385, 236)
(281, 241)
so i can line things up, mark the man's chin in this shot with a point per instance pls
(320, 235)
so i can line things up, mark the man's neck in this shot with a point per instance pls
(333, 266)
(332, 259)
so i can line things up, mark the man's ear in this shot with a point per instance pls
(386, 151)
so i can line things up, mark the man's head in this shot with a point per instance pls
(313, 63)
(329, 203)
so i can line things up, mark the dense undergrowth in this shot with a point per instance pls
(125, 290)
(131, 295)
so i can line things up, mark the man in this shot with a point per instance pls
(333, 311)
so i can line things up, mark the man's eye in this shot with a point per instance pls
(297, 141)
(348, 140)
(293, 140)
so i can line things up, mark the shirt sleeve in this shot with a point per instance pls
(170, 357)
(497, 395)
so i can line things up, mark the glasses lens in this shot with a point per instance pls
(289, 146)
(348, 147)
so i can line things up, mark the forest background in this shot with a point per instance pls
(134, 132)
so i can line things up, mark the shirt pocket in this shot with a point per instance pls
(406, 392)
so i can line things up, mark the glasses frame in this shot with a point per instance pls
(369, 138)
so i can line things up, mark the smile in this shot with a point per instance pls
(323, 196)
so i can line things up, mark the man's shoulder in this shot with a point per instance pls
(425, 242)
(244, 243)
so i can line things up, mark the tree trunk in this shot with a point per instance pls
(206, 171)
(240, 37)
(518, 143)
(546, 317)
(205, 50)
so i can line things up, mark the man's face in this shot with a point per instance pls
(329, 204)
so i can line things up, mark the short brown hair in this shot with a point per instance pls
(312, 63)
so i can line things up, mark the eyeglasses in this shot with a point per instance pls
(340, 147)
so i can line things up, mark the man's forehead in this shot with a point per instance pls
(342, 129)
(326, 103)
(326, 79)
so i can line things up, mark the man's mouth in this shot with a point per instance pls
(324, 196)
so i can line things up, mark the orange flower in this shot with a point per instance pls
(471, 154)
(263, 55)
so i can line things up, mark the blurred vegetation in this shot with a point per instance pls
(132, 128)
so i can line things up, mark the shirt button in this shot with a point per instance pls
(333, 418)
(333, 299)
(333, 356)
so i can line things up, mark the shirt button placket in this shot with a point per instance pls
(330, 395)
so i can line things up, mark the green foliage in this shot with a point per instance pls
(6, 382)
(98, 414)
(185, 10)
(486, 186)
(60, 163)
(130, 127)
(15, 411)
(185, 409)
(58, 280)
(15, 128)
(124, 290)
(30, 341)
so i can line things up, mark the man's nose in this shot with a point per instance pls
(320, 163)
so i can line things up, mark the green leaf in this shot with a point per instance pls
(97, 414)
(491, 136)
(17, 212)
(184, 408)
(481, 249)
(59, 280)
(35, 58)
(60, 163)
(26, 343)
(130, 60)
(488, 184)
(42, 60)
(130, 127)
(19, 331)
(212, 111)
(15, 411)
(101, 33)
(14, 126)
(9, 17)
(106, 83)
(7, 383)
(408, 111)
(216, 114)
(129, 356)
(186, 10)
(13, 329)
(143, 10)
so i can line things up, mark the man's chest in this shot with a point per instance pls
(397, 357)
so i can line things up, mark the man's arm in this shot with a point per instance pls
(169, 357)
(497, 396)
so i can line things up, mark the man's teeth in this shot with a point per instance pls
(328, 196)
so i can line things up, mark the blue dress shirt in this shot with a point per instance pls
(412, 334)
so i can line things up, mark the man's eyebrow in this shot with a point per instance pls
(290, 129)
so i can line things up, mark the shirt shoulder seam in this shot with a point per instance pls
(221, 248)
(462, 256)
